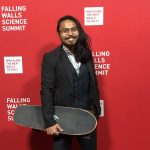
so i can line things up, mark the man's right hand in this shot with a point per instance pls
(54, 130)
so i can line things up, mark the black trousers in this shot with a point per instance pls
(86, 142)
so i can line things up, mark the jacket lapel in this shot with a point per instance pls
(67, 65)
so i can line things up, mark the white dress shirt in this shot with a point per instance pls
(71, 57)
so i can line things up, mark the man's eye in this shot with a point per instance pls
(73, 29)
(65, 30)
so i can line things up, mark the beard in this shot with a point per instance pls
(69, 46)
(70, 41)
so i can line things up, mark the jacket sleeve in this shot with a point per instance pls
(96, 93)
(48, 89)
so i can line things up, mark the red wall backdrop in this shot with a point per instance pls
(125, 88)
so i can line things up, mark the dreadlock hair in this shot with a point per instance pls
(82, 49)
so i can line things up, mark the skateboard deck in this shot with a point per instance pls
(74, 121)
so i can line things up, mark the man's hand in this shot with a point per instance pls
(54, 130)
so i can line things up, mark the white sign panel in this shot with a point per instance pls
(93, 16)
(13, 65)
(102, 108)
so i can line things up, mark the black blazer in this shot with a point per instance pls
(57, 84)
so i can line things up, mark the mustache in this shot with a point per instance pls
(70, 36)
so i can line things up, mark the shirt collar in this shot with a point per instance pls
(67, 50)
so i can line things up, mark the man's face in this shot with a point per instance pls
(68, 33)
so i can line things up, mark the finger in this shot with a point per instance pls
(55, 132)
(49, 132)
(60, 129)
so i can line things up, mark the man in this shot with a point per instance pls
(68, 79)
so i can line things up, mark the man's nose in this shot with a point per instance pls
(70, 32)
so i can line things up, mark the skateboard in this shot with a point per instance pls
(74, 121)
